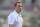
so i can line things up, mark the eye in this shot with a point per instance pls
(19, 6)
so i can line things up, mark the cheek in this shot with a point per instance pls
(20, 7)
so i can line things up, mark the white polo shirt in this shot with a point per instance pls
(15, 19)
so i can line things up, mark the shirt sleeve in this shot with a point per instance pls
(11, 19)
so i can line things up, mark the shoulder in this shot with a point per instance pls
(10, 14)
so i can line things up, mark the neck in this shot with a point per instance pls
(17, 11)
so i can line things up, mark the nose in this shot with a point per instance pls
(20, 7)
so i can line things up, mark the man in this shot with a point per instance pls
(15, 19)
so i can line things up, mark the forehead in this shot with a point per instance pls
(19, 4)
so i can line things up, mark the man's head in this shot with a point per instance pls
(18, 6)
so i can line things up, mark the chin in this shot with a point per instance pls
(19, 10)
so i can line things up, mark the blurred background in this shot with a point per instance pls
(30, 12)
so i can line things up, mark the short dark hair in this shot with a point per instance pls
(16, 3)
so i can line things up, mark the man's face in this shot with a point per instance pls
(19, 7)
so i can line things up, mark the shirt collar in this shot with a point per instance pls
(16, 13)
